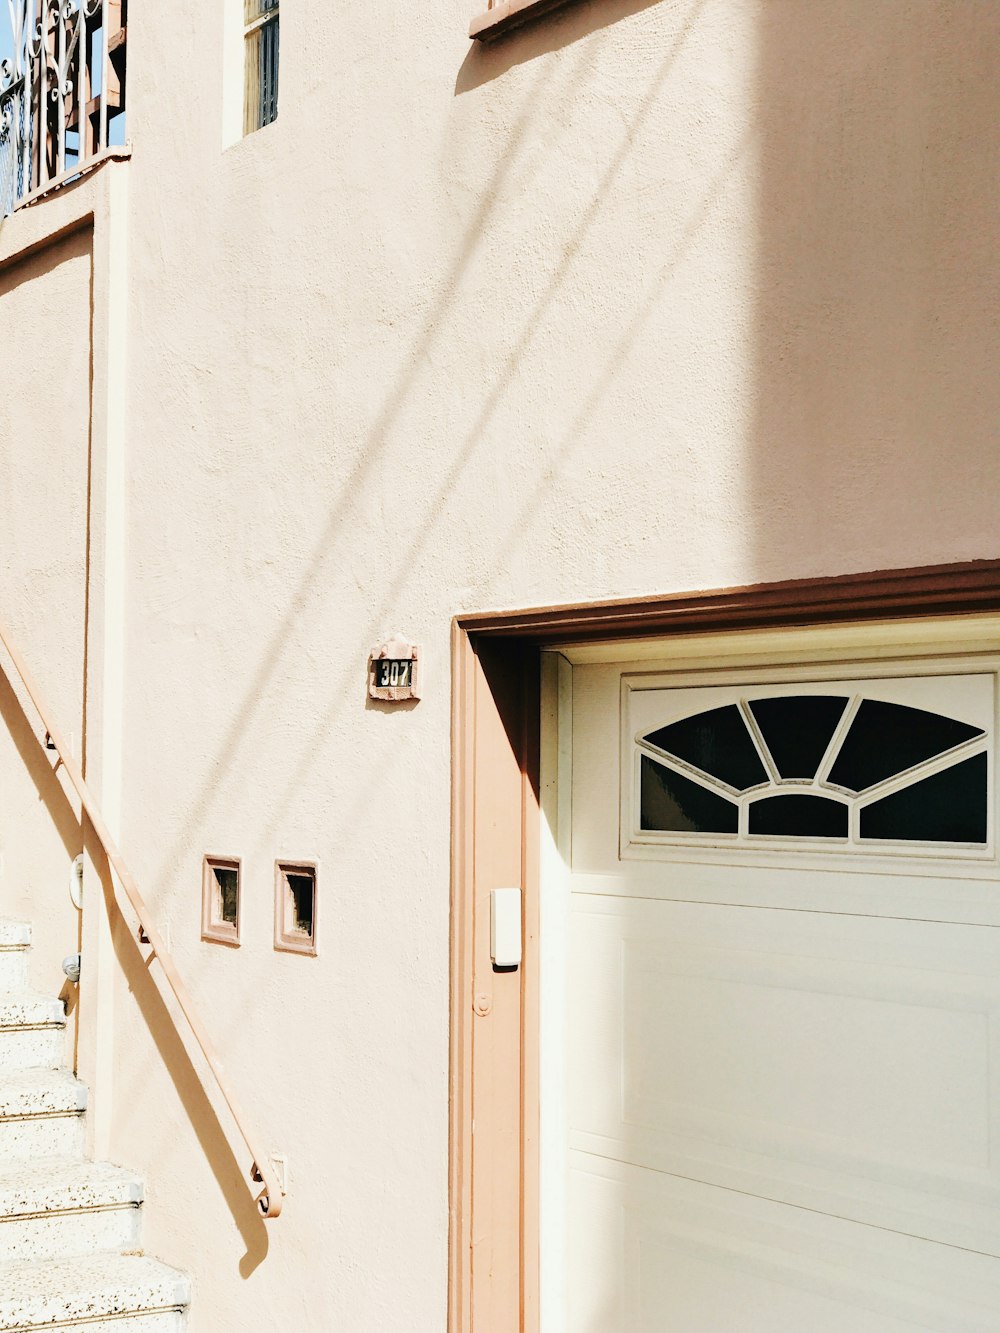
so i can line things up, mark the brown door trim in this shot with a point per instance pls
(493, 1184)
(926, 591)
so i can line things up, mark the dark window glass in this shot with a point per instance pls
(948, 807)
(670, 803)
(717, 742)
(797, 730)
(268, 58)
(260, 106)
(798, 816)
(885, 739)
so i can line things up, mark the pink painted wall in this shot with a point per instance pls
(649, 297)
(44, 443)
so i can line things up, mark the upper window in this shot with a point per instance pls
(840, 767)
(260, 29)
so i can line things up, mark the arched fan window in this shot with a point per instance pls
(823, 766)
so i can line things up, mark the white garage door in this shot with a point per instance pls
(781, 1096)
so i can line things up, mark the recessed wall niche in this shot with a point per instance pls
(220, 900)
(295, 906)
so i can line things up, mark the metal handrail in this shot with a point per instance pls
(270, 1198)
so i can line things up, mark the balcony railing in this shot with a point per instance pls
(62, 93)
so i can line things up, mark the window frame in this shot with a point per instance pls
(255, 101)
(638, 843)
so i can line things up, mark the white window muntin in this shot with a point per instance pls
(653, 702)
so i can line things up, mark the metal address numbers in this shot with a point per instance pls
(394, 671)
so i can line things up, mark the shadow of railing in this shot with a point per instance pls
(163, 1025)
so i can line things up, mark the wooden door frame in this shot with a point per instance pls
(494, 1075)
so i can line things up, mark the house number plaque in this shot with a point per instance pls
(394, 671)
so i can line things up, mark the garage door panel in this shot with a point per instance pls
(782, 1075)
(807, 1064)
(885, 891)
(672, 1256)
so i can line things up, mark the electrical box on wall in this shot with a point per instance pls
(394, 671)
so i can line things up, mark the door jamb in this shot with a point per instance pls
(494, 1180)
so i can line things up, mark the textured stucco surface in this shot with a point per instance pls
(648, 297)
(45, 310)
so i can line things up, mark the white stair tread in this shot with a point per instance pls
(41, 1092)
(29, 1008)
(14, 934)
(96, 1286)
(59, 1185)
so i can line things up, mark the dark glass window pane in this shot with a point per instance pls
(948, 807)
(262, 53)
(797, 730)
(885, 739)
(798, 816)
(670, 803)
(717, 742)
(269, 73)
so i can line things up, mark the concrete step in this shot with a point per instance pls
(101, 1293)
(69, 1229)
(32, 1028)
(41, 1115)
(15, 940)
(61, 1209)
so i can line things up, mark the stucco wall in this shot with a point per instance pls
(44, 456)
(649, 297)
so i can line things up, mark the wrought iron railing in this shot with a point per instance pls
(62, 93)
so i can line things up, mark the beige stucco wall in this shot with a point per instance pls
(652, 296)
(45, 312)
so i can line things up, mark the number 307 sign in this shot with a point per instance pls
(394, 671)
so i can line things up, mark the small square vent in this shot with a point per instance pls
(220, 900)
(295, 904)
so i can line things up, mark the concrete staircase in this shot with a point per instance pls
(69, 1229)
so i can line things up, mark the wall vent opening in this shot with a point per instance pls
(220, 900)
(295, 906)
